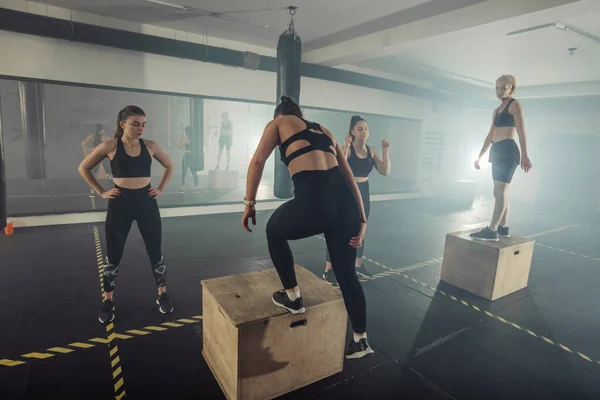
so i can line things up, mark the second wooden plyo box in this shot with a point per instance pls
(488, 269)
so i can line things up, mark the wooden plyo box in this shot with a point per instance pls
(223, 179)
(488, 269)
(257, 350)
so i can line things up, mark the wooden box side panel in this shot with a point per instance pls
(220, 345)
(277, 358)
(513, 269)
(470, 266)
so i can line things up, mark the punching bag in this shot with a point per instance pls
(289, 59)
(3, 206)
(33, 119)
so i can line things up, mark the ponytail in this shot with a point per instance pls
(119, 130)
(124, 114)
(353, 121)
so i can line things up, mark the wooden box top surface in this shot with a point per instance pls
(247, 297)
(503, 243)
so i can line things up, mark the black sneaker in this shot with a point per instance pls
(329, 277)
(107, 314)
(164, 303)
(486, 234)
(358, 349)
(503, 231)
(281, 299)
(363, 271)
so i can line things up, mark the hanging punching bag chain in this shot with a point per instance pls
(292, 28)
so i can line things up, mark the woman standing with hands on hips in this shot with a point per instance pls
(132, 199)
(361, 159)
(326, 200)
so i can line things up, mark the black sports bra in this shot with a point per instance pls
(361, 167)
(125, 166)
(504, 119)
(318, 141)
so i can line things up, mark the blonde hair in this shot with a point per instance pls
(509, 79)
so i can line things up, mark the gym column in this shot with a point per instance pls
(33, 117)
(289, 59)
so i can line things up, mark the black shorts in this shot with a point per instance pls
(225, 141)
(505, 157)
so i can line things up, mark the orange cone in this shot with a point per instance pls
(9, 229)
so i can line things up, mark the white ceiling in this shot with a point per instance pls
(405, 37)
(539, 57)
(314, 19)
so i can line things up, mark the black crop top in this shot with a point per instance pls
(318, 141)
(361, 167)
(504, 119)
(125, 166)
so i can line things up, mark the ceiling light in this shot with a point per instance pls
(527, 30)
(164, 3)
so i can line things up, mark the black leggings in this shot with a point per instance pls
(366, 199)
(323, 203)
(133, 205)
(186, 164)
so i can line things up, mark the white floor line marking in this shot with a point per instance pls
(562, 228)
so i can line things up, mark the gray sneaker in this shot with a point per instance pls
(503, 231)
(364, 272)
(486, 234)
(329, 277)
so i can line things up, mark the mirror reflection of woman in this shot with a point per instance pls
(361, 159)
(225, 139)
(187, 161)
(89, 144)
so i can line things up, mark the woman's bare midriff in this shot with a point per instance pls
(361, 179)
(132, 183)
(504, 133)
(314, 161)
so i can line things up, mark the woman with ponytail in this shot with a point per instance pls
(326, 201)
(132, 199)
(361, 159)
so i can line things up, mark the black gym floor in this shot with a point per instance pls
(431, 340)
